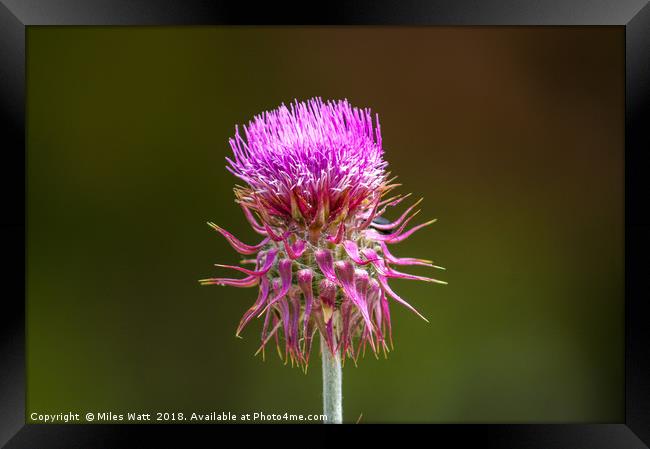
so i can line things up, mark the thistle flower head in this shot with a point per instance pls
(309, 166)
(315, 189)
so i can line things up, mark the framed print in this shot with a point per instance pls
(417, 213)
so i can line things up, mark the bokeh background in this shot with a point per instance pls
(514, 136)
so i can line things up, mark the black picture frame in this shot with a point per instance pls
(632, 15)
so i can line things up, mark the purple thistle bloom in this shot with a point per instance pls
(316, 183)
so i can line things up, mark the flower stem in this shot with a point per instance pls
(332, 385)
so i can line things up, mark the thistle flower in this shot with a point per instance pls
(315, 189)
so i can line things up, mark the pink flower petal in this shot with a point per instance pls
(410, 232)
(249, 281)
(339, 234)
(240, 247)
(257, 306)
(396, 223)
(253, 221)
(387, 289)
(385, 309)
(345, 274)
(388, 272)
(404, 260)
(270, 259)
(284, 267)
(294, 251)
(352, 250)
(272, 235)
(305, 278)
(374, 235)
(325, 262)
(327, 296)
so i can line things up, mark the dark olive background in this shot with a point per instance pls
(514, 136)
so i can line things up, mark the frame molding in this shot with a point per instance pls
(633, 15)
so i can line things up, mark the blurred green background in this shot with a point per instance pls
(514, 136)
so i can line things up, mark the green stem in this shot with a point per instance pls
(332, 385)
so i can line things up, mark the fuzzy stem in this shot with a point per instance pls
(332, 385)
